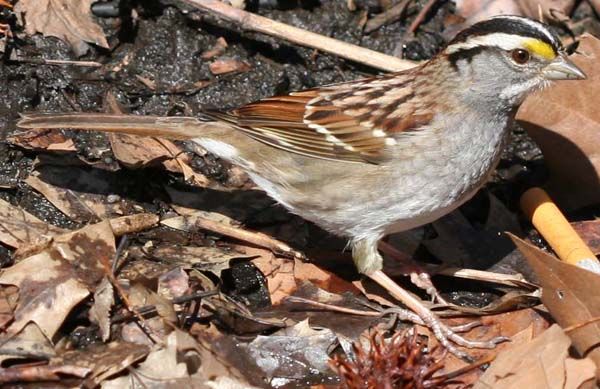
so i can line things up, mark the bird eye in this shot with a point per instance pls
(520, 56)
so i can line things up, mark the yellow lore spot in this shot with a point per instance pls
(539, 48)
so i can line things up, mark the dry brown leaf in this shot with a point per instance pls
(557, 10)
(9, 295)
(42, 140)
(18, 227)
(218, 48)
(279, 273)
(77, 205)
(29, 343)
(173, 284)
(99, 314)
(564, 121)
(164, 367)
(571, 295)
(40, 373)
(70, 20)
(140, 151)
(520, 326)
(540, 363)
(213, 259)
(228, 65)
(72, 267)
(104, 360)
(474, 10)
(284, 276)
(222, 356)
(141, 296)
(294, 354)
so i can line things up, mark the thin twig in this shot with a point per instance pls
(133, 223)
(421, 16)
(152, 335)
(91, 64)
(146, 309)
(302, 37)
(256, 238)
(41, 373)
(387, 17)
(331, 307)
(120, 249)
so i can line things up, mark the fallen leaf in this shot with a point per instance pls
(284, 276)
(141, 151)
(474, 11)
(346, 325)
(222, 356)
(9, 295)
(164, 367)
(297, 353)
(173, 284)
(18, 227)
(570, 294)
(228, 65)
(85, 205)
(72, 267)
(213, 259)
(564, 120)
(539, 363)
(29, 343)
(104, 360)
(218, 48)
(99, 314)
(42, 140)
(549, 10)
(40, 373)
(70, 20)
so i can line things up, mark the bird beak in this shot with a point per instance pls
(563, 69)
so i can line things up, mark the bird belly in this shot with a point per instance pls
(419, 189)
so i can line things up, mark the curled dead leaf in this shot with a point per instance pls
(70, 20)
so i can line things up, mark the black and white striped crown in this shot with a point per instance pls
(508, 33)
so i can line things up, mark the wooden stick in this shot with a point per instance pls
(189, 222)
(302, 37)
(388, 16)
(421, 16)
(555, 228)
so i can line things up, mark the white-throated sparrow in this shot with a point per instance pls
(371, 157)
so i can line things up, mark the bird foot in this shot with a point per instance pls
(418, 276)
(446, 335)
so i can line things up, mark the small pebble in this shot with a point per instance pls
(113, 198)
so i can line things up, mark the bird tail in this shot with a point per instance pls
(172, 127)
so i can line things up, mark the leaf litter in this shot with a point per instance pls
(221, 294)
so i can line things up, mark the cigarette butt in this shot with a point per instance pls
(555, 228)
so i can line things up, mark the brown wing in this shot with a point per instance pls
(352, 122)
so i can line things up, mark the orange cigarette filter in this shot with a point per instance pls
(555, 228)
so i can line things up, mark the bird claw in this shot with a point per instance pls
(446, 335)
(423, 281)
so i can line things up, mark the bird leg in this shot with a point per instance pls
(418, 275)
(444, 334)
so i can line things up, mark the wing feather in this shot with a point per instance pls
(354, 122)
